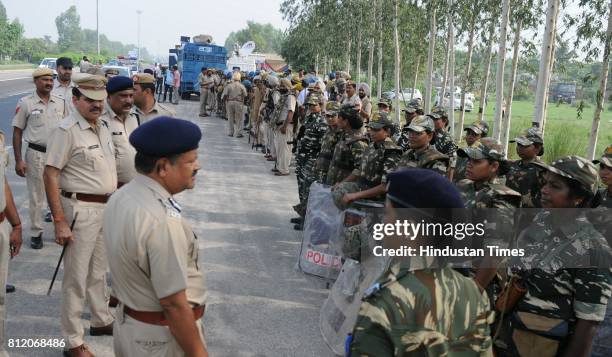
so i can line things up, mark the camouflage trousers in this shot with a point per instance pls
(304, 172)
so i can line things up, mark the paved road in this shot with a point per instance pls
(258, 305)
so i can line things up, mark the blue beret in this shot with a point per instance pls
(422, 188)
(119, 83)
(166, 136)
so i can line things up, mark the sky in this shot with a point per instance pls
(162, 22)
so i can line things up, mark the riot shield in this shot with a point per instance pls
(339, 312)
(322, 228)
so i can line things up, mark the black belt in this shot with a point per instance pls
(37, 147)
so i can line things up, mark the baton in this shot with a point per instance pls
(61, 256)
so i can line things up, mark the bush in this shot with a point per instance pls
(559, 143)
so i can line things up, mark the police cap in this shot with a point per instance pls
(119, 83)
(166, 136)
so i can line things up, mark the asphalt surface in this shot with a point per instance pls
(258, 304)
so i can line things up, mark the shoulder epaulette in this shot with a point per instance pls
(504, 190)
(68, 122)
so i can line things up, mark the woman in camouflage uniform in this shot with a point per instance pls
(348, 151)
(473, 133)
(421, 153)
(565, 272)
(379, 159)
(328, 143)
(487, 199)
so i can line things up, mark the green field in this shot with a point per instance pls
(5, 67)
(564, 133)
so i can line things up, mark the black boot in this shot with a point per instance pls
(36, 242)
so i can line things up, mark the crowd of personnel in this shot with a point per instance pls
(88, 135)
(339, 138)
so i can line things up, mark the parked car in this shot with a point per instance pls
(123, 70)
(405, 94)
(49, 62)
(469, 103)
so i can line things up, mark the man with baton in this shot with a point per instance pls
(152, 250)
(80, 174)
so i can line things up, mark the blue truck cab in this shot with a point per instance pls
(191, 57)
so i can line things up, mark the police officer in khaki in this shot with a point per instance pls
(62, 86)
(154, 264)
(35, 117)
(147, 107)
(10, 238)
(207, 82)
(79, 177)
(234, 95)
(122, 121)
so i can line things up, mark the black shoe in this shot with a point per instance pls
(36, 242)
(296, 220)
(274, 170)
(10, 288)
(298, 227)
(48, 217)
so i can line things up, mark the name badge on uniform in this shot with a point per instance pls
(93, 147)
(37, 111)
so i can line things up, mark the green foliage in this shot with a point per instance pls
(69, 29)
(267, 38)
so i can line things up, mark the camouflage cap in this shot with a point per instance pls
(422, 123)
(313, 99)
(606, 158)
(478, 127)
(530, 136)
(40, 72)
(344, 75)
(384, 101)
(332, 108)
(576, 168)
(380, 120)
(112, 71)
(487, 148)
(413, 106)
(438, 113)
(340, 82)
(91, 86)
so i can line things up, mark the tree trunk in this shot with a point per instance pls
(501, 62)
(317, 64)
(370, 61)
(430, 61)
(397, 62)
(551, 68)
(416, 77)
(446, 59)
(451, 66)
(358, 64)
(485, 84)
(380, 51)
(510, 95)
(545, 64)
(468, 69)
(601, 93)
(348, 56)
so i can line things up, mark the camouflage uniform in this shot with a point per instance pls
(328, 143)
(524, 178)
(429, 312)
(308, 148)
(414, 106)
(461, 162)
(346, 157)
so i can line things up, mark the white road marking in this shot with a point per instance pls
(13, 79)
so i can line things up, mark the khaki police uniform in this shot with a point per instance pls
(283, 149)
(124, 151)
(234, 93)
(157, 111)
(85, 156)
(5, 231)
(64, 92)
(206, 83)
(37, 120)
(151, 260)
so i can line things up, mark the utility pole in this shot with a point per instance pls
(98, 26)
(138, 60)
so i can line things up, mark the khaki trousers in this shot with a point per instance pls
(271, 139)
(35, 163)
(5, 231)
(133, 338)
(203, 100)
(85, 268)
(283, 149)
(235, 115)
